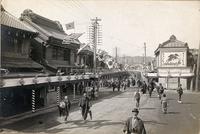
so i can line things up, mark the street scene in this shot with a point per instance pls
(181, 118)
(99, 67)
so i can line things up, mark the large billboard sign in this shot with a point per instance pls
(173, 59)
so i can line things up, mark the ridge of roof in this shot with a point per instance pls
(42, 21)
(9, 20)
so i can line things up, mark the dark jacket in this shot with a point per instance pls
(139, 126)
(67, 104)
(84, 102)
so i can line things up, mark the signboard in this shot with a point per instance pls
(173, 59)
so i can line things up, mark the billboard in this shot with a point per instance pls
(173, 59)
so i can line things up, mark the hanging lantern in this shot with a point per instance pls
(68, 77)
(48, 79)
(59, 78)
(35, 80)
(2, 82)
(82, 76)
(21, 81)
(179, 74)
(76, 77)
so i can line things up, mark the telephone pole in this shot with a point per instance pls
(145, 54)
(95, 39)
(145, 58)
(197, 71)
(116, 55)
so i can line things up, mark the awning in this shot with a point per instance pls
(19, 63)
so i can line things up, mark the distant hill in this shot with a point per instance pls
(134, 59)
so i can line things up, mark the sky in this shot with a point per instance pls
(125, 24)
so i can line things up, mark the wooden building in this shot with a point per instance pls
(15, 51)
(53, 48)
(85, 58)
(173, 68)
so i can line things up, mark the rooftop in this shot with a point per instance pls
(11, 21)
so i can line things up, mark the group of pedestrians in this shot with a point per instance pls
(84, 104)
(64, 107)
(134, 125)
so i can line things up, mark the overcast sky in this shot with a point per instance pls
(125, 24)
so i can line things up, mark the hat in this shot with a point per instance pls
(135, 110)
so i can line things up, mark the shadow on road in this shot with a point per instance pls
(84, 124)
(155, 123)
(147, 108)
(189, 103)
(48, 120)
(173, 112)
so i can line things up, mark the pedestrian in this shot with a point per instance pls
(164, 103)
(134, 125)
(144, 87)
(96, 94)
(113, 85)
(67, 106)
(118, 85)
(180, 93)
(150, 90)
(137, 98)
(61, 108)
(124, 84)
(160, 91)
(128, 83)
(85, 105)
(133, 82)
(92, 93)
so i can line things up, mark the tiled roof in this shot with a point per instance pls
(48, 28)
(11, 21)
(172, 42)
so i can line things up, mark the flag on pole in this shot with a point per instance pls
(70, 26)
(81, 48)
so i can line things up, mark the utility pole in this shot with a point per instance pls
(145, 57)
(95, 36)
(145, 54)
(116, 54)
(197, 71)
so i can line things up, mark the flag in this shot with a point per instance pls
(110, 62)
(70, 26)
(81, 48)
(75, 35)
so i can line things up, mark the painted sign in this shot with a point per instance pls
(173, 59)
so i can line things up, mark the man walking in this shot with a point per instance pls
(113, 85)
(67, 106)
(180, 93)
(85, 106)
(134, 125)
(137, 98)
